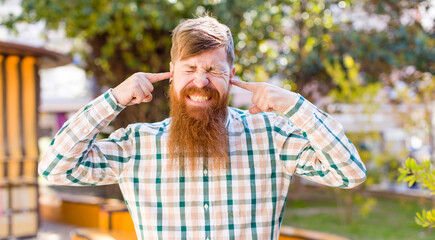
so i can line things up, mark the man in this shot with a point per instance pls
(209, 171)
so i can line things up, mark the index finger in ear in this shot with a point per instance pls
(155, 77)
(245, 85)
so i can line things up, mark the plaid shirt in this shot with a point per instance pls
(244, 201)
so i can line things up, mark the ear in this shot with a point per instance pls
(171, 67)
(232, 74)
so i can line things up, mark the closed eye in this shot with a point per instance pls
(216, 73)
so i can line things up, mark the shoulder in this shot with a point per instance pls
(156, 128)
(242, 120)
(245, 115)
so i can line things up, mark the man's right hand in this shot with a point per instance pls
(138, 87)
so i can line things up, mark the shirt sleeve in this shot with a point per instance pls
(75, 157)
(316, 148)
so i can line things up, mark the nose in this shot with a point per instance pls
(201, 80)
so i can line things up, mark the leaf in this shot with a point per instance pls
(401, 177)
(426, 164)
(431, 216)
(408, 163)
(409, 178)
(411, 182)
(418, 219)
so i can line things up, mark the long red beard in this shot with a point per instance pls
(197, 135)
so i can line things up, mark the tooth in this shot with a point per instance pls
(199, 98)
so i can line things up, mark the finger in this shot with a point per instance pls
(138, 96)
(256, 98)
(155, 77)
(245, 85)
(254, 110)
(147, 85)
(134, 101)
(148, 98)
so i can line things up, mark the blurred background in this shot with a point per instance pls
(368, 63)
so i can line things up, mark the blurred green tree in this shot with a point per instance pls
(117, 38)
(292, 39)
(287, 40)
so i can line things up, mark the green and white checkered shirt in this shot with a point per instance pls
(244, 201)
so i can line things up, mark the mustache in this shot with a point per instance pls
(206, 91)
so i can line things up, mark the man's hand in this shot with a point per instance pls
(267, 97)
(138, 87)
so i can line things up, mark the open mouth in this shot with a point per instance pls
(199, 98)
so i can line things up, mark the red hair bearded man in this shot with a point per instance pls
(209, 171)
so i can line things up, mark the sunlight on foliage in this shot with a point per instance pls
(423, 174)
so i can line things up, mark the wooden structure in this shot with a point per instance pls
(19, 100)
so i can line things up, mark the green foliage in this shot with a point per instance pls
(350, 88)
(118, 38)
(285, 39)
(388, 220)
(367, 206)
(426, 219)
(423, 174)
(293, 40)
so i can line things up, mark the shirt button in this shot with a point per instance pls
(85, 130)
(206, 206)
(205, 172)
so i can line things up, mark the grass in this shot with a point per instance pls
(389, 218)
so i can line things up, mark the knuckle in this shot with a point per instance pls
(268, 88)
(135, 75)
(137, 92)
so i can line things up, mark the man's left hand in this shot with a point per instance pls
(267, 97)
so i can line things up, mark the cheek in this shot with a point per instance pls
(179, 83)
(177, 89)
(222, 86)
